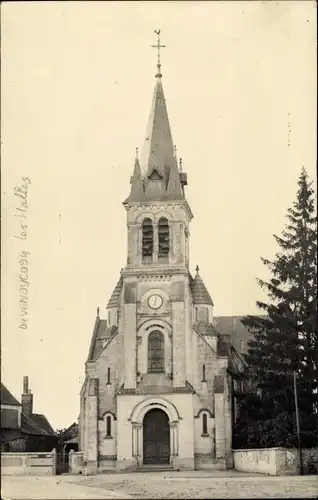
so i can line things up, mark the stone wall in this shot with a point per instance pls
(33, 464)
(76, 462)
(276, 461)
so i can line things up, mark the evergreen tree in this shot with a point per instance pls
(285, 338)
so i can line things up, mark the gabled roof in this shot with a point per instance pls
(7, 398)
(36, 424)
(200, 294)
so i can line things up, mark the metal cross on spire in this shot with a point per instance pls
(158, 47)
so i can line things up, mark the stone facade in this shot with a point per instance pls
(158, 349)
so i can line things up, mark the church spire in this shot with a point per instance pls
(136, 190)
(156, 176)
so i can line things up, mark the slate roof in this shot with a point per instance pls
(200, 294)
(7, 398)
(232, 326)
(224, 344)
(101, 333)
(158, 159)
(114, 300)
(37, 424)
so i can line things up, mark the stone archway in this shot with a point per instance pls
(137, 420)
(156, 437)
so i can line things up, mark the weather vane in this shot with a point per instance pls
(158, 47)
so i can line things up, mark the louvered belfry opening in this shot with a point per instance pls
(147, 240)
(163, 239)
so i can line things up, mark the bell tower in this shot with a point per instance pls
(158, 213)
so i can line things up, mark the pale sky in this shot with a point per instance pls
(77, 82)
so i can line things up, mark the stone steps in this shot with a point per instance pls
(155, 468)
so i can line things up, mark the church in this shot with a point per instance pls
(156, 392)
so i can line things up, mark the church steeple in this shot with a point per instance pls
(157, 177)
(136, 190)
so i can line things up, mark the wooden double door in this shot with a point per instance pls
(156, 438)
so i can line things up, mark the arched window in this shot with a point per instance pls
(163, 239)
(204, 423)
(108, 426)
(147, 240)
(156, 352)
(108, 376)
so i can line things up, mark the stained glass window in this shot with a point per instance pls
(156, 352)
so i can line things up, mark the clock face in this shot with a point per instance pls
(155, 301)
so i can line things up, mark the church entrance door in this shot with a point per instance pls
(156, 437)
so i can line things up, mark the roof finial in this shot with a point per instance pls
(197, 270)
(180, 164)
(137, 153)
(98, 311)
(158, 47)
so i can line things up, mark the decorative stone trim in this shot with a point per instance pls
(204, 410)
(154, 278)
(108, 413)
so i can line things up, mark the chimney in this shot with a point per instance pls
(27, 398)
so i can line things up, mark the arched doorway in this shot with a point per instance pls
(156, 437)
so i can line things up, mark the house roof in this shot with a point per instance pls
(36, 424)
(73, 440)
(233, 327)
(200, 294)
(7, 398)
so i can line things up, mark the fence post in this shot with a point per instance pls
(71, 460)
(54, 462)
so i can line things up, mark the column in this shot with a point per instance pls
(169, 350)
(171, 242)
(139, 355)
(134, 440)
(139, 441)
(155, 241)
(174, 448)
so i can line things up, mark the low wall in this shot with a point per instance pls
(35, 464)
(76, 462)
(276, 461)
(310, 461)
(262, 460)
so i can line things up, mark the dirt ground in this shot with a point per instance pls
(227, 484)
